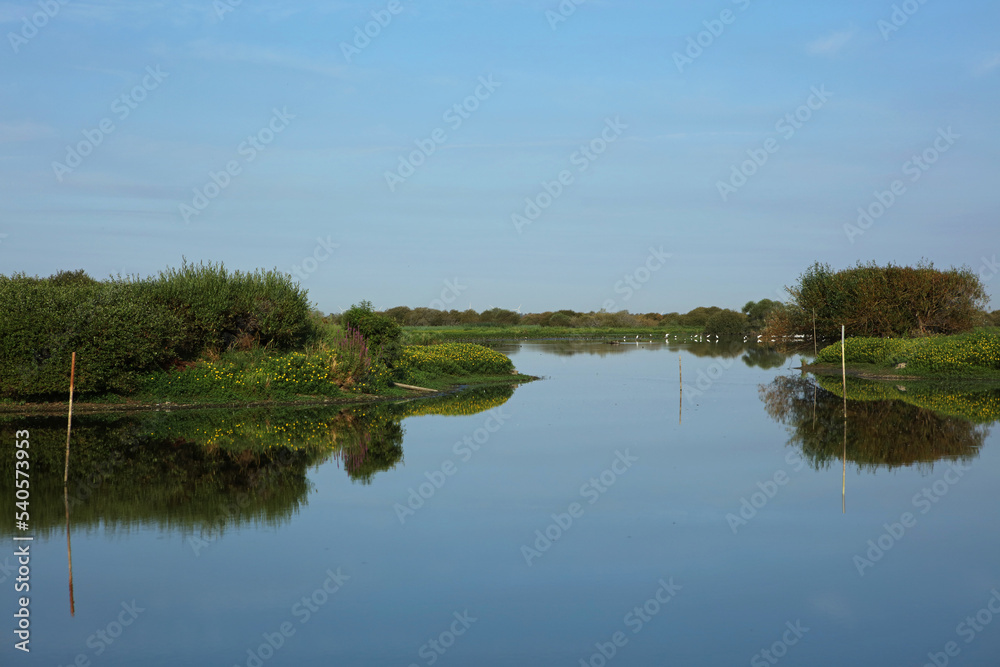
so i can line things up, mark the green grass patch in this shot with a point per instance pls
(248, 377)
(967, 355)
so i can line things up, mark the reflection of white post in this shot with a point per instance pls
(680, 380)
(843, 368)
(69, 424)
(843, 490)
(69, 554)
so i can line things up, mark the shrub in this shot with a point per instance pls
(124, 328)
(381, 332)
(559, 320)
(882, 301)
(698, 317)
(500, 316)
(234, 310)
(726, 323)
(114, 328)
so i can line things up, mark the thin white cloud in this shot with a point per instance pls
(24, 131)
(261, 55)
(832, 43)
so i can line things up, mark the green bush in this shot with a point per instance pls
(381, 332)
(559, 320)
(871, 300)
(122, 329)
(697, 317)
(726, 323)
(234, 310)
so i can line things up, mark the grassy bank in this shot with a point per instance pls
(320, 374)
(426, 335)
(974, 355)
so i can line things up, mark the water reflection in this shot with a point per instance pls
(883, 430)
(753, 355)
(200, 470)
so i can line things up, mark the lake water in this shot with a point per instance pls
(590, 518)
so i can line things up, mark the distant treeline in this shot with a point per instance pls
(944, 310)
(499, 317)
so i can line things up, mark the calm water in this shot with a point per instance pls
(589, 518)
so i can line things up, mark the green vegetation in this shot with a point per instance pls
(727, 323)
(339, 372)
(875, 301)
(202, 334)
(380, 332)
(561, 322)
(122, 329)
(975, 354)
(427, 365)
(758, 312)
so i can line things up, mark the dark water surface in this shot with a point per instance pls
(589, 518)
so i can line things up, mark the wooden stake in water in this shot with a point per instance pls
(69, 424)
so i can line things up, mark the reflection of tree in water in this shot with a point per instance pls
(122, 476)
(727, 347)
(767, 358)
(373, 443)
(206, 470)
(879, 433)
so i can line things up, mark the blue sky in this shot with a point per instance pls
(247, 133)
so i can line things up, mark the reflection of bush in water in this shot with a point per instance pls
(764, 357)
(467, 402)
(727, 347)
(981, 406)
(879, 433)
(366, 439)
(121, 476)
(204, 470)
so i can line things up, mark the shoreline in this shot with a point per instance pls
(60, 408)
(887, 374)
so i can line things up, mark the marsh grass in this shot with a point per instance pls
(974, 353)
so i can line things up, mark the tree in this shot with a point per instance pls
(726, 323)
(500, 316)
(698, 317)
(881, 301)
(758, 311)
